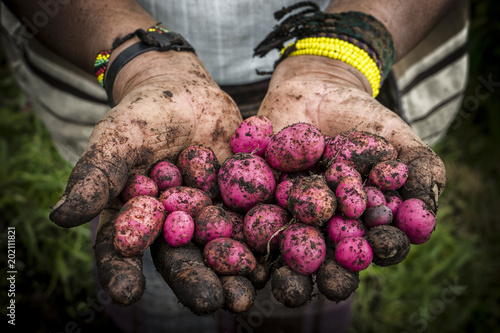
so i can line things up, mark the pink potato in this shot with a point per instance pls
(311, 201)
(263, 222)
(339, 227)
(377, 215)
(246, 180)
(227, 256)
(303, 248)
(388, 175)
(212, 222)
(339, 171)
(359, 149)
(375, 197)
(354, 253)
(282, 193)
(199, 168)
(351, 197)
(165, 175)
(138, 224)
(238, 226)
(187, 199)
(296, 147)
(139, 185)
(416, 220)
(252, 136)
(393, 200)
(178, 228)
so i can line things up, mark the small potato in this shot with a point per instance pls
(260, 275)
(282, 193)
(393, 200)
(178, 228)
(227, 256)
(416, 220)
(199, 168)
(296, 147)
(311, 201)
(303, 248)
(246, 180)
(139, 185)
(334, 281)
(359, 149)
(339, 171)
(252, 136)
(354, 253)
(375, 197)
(165, 174)
(352, 198)
(238, 226)
(138, 224)
(212, 222)
(290, 288)
(339, 227)
(388, 175)
(378, 215)
(390, 245)
(187, 199)
(263, 222)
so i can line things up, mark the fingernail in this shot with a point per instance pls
(59, 203)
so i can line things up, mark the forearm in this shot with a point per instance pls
(407, 21)
(80, 29)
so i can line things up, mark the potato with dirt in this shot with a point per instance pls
(296, 147)
(226, 256)
(303, 248)
(335, 282)
(311, 201)
(262, 226)
(291, 288)
(390, 245)
(138, 224)
(246, 180)
(199, 168)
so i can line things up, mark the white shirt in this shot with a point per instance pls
(224, 33)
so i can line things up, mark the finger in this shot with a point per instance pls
(196, 286)
(426, 176)
(121, 277)
(239, 293)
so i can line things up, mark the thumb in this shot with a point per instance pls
(101, 172)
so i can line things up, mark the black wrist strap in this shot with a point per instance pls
(150, 41)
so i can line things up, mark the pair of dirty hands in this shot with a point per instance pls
(168, 101)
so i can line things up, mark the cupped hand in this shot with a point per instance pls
(335, 97)
(161, 110)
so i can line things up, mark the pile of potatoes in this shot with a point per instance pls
(290, 209)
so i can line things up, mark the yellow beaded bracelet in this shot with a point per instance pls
(344, 51)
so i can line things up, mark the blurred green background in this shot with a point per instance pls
(450, 284)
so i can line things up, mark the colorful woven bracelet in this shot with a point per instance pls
(359, 30)
(342, 50)
(102, 59)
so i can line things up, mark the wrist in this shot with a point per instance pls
(323, 69)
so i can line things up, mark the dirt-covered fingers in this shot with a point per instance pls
(121, 277)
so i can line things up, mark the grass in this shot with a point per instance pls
(449, 284)
(50, 261)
